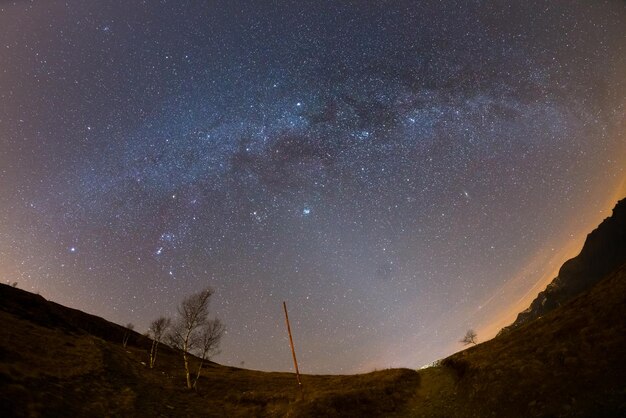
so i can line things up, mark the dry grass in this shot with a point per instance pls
(569, 363)
(56, 371)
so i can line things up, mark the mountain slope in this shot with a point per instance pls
(562, 357)
(568, 363)
(603, 251)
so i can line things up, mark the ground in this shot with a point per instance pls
(55, 361)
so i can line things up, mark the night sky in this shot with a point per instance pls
(397, 171)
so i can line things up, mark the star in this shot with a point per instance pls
(264, 161)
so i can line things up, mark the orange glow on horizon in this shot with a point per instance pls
(544, 268)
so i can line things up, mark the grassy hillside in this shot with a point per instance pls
(51, 364)
(568, 363)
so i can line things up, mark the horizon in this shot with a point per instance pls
(494, 327)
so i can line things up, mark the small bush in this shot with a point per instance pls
(458, 365)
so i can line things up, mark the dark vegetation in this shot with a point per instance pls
(568, 362)
(469, 338)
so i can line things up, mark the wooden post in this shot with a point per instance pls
(293, 351)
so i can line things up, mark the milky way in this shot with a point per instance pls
(398, 172)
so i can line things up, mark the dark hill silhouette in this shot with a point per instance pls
(40, 311)
(57, 361)
(604, 250)
(567, 361)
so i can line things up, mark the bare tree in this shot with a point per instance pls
(192, 329)
(129, 330)
(470, 337)
(156, 332)
(208, 343)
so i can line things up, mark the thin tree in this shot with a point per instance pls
(185, 333)
(156, 332)
(470, 337)
(210, 336)
(129, 330)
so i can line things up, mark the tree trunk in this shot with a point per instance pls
(156, 349)
(153, 352)
(186, 359)
(195, 382)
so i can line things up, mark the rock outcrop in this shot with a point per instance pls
(604, 251)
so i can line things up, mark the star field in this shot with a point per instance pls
(398, 172)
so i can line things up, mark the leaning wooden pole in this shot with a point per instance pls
(293, 351)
